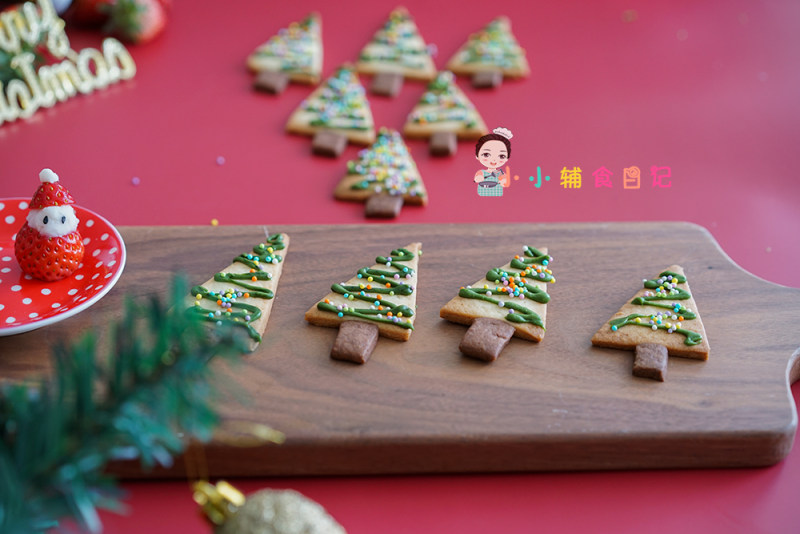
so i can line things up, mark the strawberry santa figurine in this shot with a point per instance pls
(48, 246)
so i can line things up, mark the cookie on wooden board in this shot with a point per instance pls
(338, 105)
(296, 51)
(243, 293)
(397, 47)
(515, 293)
(492, 48)
(662, 312)
(384, 294)
(444, 108)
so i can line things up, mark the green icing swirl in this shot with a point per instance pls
(692, 337)
(518, 313)
(398, 33)
(240, 313)
(521, 315)
(341, 103)
(449, 104)
(679, 310)
(386, 166)
(663, 292)
(243, 315)
(534, 257)
(378, 279)
(674, 293)
(529, 290)
(293, 46)
(494, 45)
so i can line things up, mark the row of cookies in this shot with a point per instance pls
(295, 54)
(509, 301)
(339, 110)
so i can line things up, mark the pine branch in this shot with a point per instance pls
(57, 437)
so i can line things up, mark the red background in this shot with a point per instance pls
(708, 89)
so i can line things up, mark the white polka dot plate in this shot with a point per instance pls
(27, 303)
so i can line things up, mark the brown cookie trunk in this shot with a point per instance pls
(269, 81)
(355, 341)
(487, 79)
(387, 84)
(651, 361)
(486, 338)
(443, 144)
(328, 144)
(383, 206)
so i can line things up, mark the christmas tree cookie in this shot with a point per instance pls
(243, 293)
(338, 106)
(661, 320)
(492, 51)
(444, 111)
(384, 176)
(295, 54)
(509, 301)
(378, 300)
(396, 50)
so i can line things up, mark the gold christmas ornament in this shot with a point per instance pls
(79, 72)
(264, 512)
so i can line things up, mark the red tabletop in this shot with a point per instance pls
(701, 97)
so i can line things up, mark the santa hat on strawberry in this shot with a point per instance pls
(49, 246)
(51, 192)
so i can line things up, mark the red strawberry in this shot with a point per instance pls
(48, 258)
(89, 12)
(137, 21)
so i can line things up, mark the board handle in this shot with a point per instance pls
(794, 367)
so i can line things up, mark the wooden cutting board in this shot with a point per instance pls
(421, 406)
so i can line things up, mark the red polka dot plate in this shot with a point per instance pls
(27, 303)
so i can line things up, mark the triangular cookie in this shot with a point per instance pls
(384, 294)
(243, 293)
(296, 50)
(492, 48)
(398, 47)
(662, 312)
(444, 108)
(339, 105)
(515, 292)
(386, 167)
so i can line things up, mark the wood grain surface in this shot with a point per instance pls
(420, 406)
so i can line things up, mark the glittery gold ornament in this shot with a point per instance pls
(264, 512)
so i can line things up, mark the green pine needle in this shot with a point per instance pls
(150, 394)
